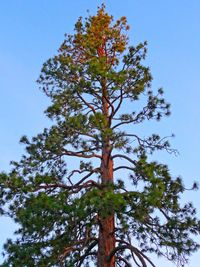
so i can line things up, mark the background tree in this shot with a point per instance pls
(77, 216)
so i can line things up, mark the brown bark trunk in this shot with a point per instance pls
(106, 242)
(106, 224)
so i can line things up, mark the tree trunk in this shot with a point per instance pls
(107, 225)
(106, 242)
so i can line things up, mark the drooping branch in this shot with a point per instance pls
(139, 254)
(124, 247)
(123, 167)
(124, 157)
(136, 249)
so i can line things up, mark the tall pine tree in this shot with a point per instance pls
(86, 191)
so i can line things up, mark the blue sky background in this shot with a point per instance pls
(32, 31)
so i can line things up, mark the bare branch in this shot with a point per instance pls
(123, 167)
(124, 157)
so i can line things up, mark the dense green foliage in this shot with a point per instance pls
(56, 199)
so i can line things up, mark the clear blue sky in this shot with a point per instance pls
(31, 32)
